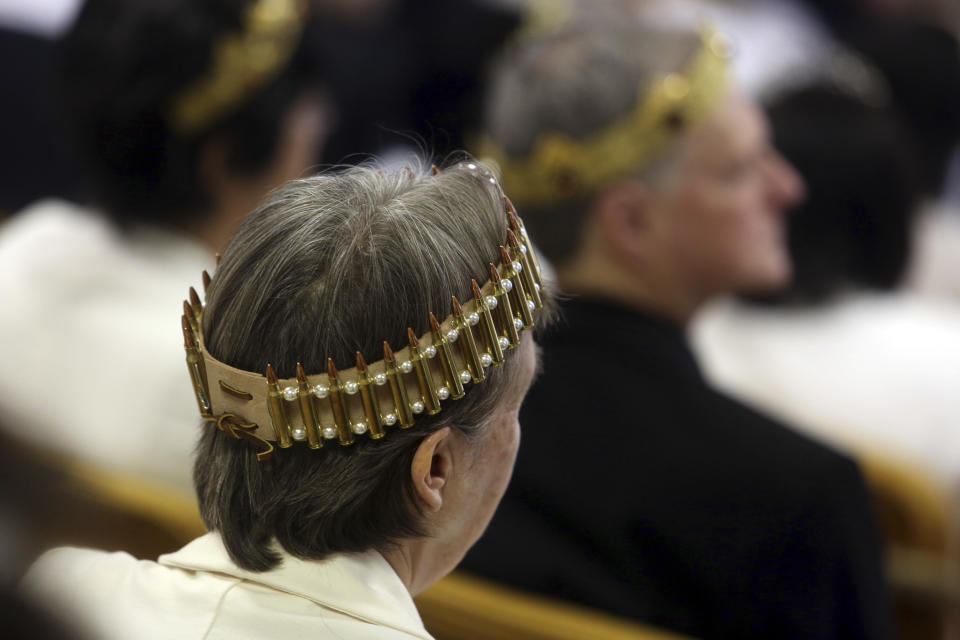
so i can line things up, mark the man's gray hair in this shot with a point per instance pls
(327, 266)
(577, 82)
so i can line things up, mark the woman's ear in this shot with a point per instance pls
(623, 219)
(431, 468)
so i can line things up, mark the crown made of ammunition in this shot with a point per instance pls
(242, 63)
(369, 398)
(559, 166)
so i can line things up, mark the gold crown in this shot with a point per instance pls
(242, 62)
(559, 166)
(369, 398)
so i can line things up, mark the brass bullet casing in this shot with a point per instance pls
(431, 401)
(489, 329)
(195, 366)
(195, 303)
(338, 405)
(398, 389)
(529, 281)
(191, 316)
(516, 224)
(468, 344)
(451, 377)
(517, 293)
(278, 414)
(308, 412)
(506, 311)
(205, 277)
(369, 399)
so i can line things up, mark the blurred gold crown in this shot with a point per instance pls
(559, 166)
(242, 62)
(369, 398)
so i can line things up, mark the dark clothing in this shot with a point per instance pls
(642, 491)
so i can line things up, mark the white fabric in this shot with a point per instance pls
(935, 268)
(199, 593)
(93, 359)
(47, 18)
(871, 372)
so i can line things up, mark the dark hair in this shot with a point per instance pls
(853, 229)
(921, 65)
(123, 63)
(326, 266)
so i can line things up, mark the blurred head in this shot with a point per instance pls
(700, 215)
(325, 267)
(127, 64)
(854, 229)
(717, 217)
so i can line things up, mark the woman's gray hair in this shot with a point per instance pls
(327, 266)
(578, 82)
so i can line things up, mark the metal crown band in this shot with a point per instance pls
(369, 398)
(558, 166)
(242, 62)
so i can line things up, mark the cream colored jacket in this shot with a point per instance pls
(199, 593)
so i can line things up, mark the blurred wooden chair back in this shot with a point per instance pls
(463, 607)
(79, 504)
(919, 528)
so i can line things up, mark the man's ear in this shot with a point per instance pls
(431, 468)
(621, 211)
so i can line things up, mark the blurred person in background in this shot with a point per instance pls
(185, 115)
(332, 498)
(640, 489)
(843, 351)
(782, 45)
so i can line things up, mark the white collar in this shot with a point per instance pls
(362, 585)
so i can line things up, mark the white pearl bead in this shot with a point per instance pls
(518, 323)
(290, 394)
(471, 166)
(491, 302)
(452, 335)
(516, 266)
(359, 428)
(486, 359)
(431, 351)
(299, 433)
(523, 248)
(531, 305)
(321, 390)
(473, 318)
(417, 407)
(537, 287)
(406, 366)
(390, 419)
(507, 284)
(492, 180)
(504, 343)
(465, 376)
(443, 393)
(380, 379)
(351, 387)
(329, 433)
